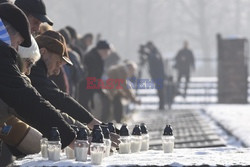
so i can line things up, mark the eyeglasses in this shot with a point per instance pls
(29, 62)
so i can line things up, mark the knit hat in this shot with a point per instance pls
(32, 52)
(17, 19)
(65, 33)
(36, 8)
(54, 42)
(102, 45)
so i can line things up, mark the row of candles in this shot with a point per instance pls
(101, 144)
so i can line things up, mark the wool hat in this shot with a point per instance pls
(102, 44)
(72, 32)
(18, 20)
(65, 33)
(54, 42)
(36, 8)
(32, 52)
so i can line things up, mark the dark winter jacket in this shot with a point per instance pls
(75, 73)
(61, 80)
(94, 64)
(156, 67)
(19, 94)
(49, 90)
(184, 61)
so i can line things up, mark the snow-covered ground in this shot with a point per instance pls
(234, 118)
(180, 157)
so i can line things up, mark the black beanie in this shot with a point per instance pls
(102, 44)
(65, 33)
(17, 19)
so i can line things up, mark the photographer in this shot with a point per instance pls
(149, 53)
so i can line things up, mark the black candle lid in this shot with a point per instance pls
(97, 136)
(97, 127)
(54, 134)
(168, 131)
(105, 132)
(111, 127)
(144, 129)
(82, 134)
(124, 130)
(136, 130)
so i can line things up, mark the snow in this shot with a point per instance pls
(234, 118)
(181, 157)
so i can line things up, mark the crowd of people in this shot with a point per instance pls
(45, 74)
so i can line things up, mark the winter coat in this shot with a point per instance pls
(184, 60)
(22, 136)
(74, 73)
(120, 72)
(156, 67)
(94, 66)
(49, 90)
(5, 111)
(20, 95)
(61, 80)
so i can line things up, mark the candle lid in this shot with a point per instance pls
(168, 131)
(54, 134)
(144, 129)
(124, 130)
(136, 130)
(82, 134)
(97, 136)
(97, 127)
(105, 132)
(111, 127)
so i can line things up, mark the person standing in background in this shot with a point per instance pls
(184, 63)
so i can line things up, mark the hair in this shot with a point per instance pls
(88, 35)
(72, 32)
(65, 33)
(45, 27)
(11, 30)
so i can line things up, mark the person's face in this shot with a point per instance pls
(53, 62)
(104, 53)
(89, 41)
(16, 40)
(34, 25)
(27, 64)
